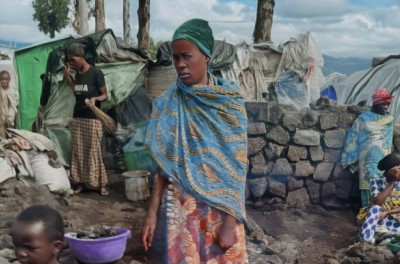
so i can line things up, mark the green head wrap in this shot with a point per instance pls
(199, 33)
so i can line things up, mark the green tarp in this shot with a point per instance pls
(122, 79)
(30, 64)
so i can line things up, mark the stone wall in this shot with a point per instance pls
(294, 155)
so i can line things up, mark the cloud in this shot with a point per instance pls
(346, 31)
(311, 8)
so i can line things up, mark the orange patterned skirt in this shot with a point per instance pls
(187, 232)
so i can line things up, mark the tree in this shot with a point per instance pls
(51, 14)
(127, 24)
(265, 13)
(89, 8)
(83, 18)
(99, 15)
(144, 24)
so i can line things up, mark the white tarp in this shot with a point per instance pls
(360, 86)
(254, 70)
(299, 77)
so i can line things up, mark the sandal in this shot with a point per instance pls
(104, 191)
(78, 189)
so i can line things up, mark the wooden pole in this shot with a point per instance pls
(83, 17)
(126, 21)
(100, 15)
(262, 29)
(144, 24)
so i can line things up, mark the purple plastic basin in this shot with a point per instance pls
(101, 250)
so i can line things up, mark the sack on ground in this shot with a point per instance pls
(54, 178)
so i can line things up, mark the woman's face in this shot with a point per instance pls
(381, 108)
(32, 245)
(190, 63)
(75, 62)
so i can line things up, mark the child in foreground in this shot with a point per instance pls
(37, 235)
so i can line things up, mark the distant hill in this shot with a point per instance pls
(13, 44)
(344, 65)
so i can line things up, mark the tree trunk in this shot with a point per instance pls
(75, 22)
(83, 17)
(127, 23)
(99, 15)
(144, 24)
(262, 29)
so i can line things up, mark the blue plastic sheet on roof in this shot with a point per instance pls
(329, 92)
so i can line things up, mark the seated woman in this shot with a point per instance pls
(382, 213)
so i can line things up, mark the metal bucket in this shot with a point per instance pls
(137, 185)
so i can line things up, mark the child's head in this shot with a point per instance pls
(37, 235)
(387, 163)
(5, 79)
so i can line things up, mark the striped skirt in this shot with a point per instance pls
(87, 165)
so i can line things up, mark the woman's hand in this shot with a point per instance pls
(66, 69)
(226, 237)
(394, 173)
(67, 75)
(151, 217)
(383, 215)
(91, 101)
(148, 230)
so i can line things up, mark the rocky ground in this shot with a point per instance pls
(276, 234)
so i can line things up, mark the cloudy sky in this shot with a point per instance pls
(341, 28)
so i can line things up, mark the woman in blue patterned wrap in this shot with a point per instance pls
(368, 141)
(198, 138)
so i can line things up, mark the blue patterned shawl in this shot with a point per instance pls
(367, 142)
(198, 137)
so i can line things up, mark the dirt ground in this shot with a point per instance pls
(302, 236)
(89, 208)
(309, 235)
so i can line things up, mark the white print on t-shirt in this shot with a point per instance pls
(81, 88)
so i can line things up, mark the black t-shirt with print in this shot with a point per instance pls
(87, 85)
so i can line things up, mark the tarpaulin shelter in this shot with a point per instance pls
(358, 88)
(30, 63)
(257, 68)
(124, 68)
(254, 69)
(299, 77)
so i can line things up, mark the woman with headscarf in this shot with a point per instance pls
(368, 141)
(381, 220)
(198, 138)
(89, 87)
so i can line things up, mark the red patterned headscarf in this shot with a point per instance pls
(381, 96)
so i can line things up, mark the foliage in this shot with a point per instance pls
(52, 15)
